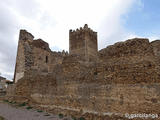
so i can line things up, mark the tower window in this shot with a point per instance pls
(46, 59)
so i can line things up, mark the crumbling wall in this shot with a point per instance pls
(124, 79)
(132, 47)
(23, 59)
(35, 55)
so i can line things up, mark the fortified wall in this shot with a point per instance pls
(121, 78)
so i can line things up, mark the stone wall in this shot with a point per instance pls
(95, 97)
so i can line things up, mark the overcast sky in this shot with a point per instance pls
(114, 20)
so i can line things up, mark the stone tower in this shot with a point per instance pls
(83, 41)
(23, 59)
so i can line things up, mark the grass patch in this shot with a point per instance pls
(39, 111)
(61, 116)
(23, 104)
(2, 118)
(29, 107)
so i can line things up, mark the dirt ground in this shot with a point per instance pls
(10, 112)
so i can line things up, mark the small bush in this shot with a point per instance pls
(39, 111)
(28, 108)
(81, 118)
(60, 116)
(21, 105)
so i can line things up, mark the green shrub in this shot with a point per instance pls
(39, 111)
(21, 105)
(28, 108)
(60, 116)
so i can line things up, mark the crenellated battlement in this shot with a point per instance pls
(83, 30)
(59, 53)
(83, 41)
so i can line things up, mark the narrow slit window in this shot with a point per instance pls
(46, 59)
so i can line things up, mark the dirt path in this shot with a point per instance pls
(12, 113)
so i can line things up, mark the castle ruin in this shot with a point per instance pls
(36, 54)
(121, 78)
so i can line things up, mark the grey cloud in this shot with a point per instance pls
(47, 20)
(27, 8)
(8, 24)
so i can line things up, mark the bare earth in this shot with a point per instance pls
(12, 113)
